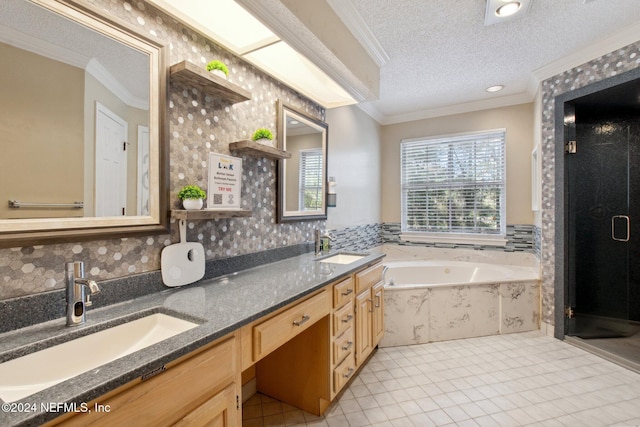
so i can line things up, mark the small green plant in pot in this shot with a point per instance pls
(218, 67)
(263, 136)
(192, 197)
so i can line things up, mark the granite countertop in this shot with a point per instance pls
(220, 306)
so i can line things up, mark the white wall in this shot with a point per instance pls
(354, 161)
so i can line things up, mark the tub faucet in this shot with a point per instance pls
(318, 241)
(77, 298)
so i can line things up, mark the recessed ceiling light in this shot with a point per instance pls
(508, 9)
(495, 88)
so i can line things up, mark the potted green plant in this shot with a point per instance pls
(263, 136)
(219, 68)
(192, 197)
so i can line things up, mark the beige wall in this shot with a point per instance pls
(518, 121)
(354, 160)
(40, 132)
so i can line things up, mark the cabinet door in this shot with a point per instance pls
(363, 326)
(378, 312)
(219, 411)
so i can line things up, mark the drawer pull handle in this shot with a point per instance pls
(348, 318)
(370, 301)
(347, 346)
(349, 291)
(349, 372)
(377, 300)
(304, 319)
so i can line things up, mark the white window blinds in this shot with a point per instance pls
(310, 197)
(454, 184)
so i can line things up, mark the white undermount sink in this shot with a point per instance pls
(342, 259)
(29, 374)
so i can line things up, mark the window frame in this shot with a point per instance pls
(478, 237)
(302, 187)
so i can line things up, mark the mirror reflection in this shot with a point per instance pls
(75, 119)
(302, 177)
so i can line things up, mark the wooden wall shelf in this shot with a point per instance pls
(255, 149)
(204, 214)
(193, 75)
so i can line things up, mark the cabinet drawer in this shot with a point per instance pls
(343, 372)
(342, 292)
(272, 333)
(342, 318)
(343, 345)
(367, 278)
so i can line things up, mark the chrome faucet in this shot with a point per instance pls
(77, 298)
(318, 241)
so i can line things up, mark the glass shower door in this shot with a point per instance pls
(599, 229)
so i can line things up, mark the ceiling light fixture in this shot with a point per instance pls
(508, 9)
(501, 11)
(496, 88)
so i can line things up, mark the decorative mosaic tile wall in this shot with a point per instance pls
(198, 124)
(358, 238)
(609, 65)
(520, 238)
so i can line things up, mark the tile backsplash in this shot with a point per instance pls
(198, 124)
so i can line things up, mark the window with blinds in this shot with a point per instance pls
(310, 197)
(454, 184)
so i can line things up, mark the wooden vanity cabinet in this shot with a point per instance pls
(199, 389)
(343, 337)
(303, 355)
(369, 311)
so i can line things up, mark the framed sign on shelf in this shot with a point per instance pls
(225, 182)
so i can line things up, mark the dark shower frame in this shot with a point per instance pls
(561, 213)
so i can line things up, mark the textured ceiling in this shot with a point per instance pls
(442, 55)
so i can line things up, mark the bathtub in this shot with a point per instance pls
(427, 301)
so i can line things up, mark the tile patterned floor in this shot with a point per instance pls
(525, 379)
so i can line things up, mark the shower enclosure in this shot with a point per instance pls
(602, 217)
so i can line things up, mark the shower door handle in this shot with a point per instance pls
(613, 227)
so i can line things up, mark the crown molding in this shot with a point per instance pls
(74, 59)
(620, 39)
(372, 111)
(95, 68)
(360, 30)
(288, 27)
(467, 107)
(41, 47)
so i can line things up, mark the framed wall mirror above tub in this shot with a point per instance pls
(301, 178)
(83, 129)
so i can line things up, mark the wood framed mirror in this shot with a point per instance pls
(302, 178)
(84, 134)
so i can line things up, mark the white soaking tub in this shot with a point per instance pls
(432, 300)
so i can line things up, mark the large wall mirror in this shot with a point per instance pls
(82, 125)
(301, 178)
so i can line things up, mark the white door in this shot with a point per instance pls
(143, 170)
(111, 163)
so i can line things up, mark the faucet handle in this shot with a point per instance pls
(87, 301)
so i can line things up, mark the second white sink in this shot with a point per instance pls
(342, 259)
(34, 372)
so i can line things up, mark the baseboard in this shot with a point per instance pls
(547, 329)
(249, 389)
